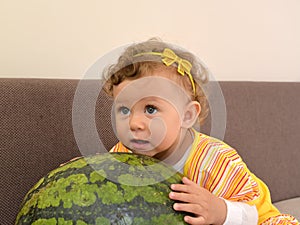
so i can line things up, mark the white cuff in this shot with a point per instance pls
(239, 213)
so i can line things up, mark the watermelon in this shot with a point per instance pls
(108, 188)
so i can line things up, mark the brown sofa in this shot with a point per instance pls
(263, 124)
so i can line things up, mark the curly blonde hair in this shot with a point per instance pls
(131, 66)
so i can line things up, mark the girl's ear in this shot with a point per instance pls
(191, 114)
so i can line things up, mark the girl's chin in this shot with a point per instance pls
(145, 152)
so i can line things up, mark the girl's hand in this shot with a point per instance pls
(207, 208)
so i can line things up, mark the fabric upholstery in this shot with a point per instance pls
(290, 206)
(37, 133)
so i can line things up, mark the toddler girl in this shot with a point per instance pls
(158, 98)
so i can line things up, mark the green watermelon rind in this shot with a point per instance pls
(162, 219)
(57, 194)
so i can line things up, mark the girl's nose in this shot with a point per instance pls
(136, 122)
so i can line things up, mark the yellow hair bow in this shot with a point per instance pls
(169, 57)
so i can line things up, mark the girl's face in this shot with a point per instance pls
(149, 112)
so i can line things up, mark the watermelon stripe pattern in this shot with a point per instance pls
(97, 190)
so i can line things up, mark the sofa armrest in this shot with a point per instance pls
(289, 206)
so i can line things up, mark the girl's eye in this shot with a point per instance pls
(150, 109)
(124, 110)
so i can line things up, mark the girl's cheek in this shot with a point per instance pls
(122, 129)
(158, 130)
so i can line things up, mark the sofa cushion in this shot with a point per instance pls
(290, 206)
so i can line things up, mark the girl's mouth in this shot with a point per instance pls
(140, 144)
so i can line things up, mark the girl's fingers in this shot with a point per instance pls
(188, 186)
(195, 220)
(195, 209)
(188, 207)
(187, 181)
(195, 200)
(180, 187)
(183, 197)
(187, 198)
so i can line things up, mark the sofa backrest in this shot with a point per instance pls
(37, 133)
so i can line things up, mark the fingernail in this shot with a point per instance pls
(186, 219)
(175, 206)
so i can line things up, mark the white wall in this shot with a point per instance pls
(237, 39)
